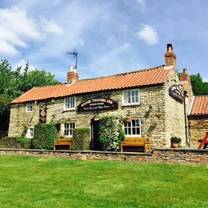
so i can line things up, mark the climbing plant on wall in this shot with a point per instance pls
(111, 132)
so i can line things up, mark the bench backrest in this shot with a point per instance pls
(135, 140)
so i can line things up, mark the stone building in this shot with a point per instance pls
(150, 100)
(198, 119)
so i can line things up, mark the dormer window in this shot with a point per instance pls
(29, 107)
(70, 103)
(131, 97)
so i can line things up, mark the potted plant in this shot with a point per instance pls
(175, 142)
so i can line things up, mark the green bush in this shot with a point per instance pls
(44, 136)
(15, 142)
(111, 133)
(175, 140)
(24, 142)
(81, 139)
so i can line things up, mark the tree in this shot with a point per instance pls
(198, 85)
(14, 82)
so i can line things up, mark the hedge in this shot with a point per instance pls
(44, 136)
(81, 139)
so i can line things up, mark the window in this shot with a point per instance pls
(133, 127)
(70, 103)
(29, 107)
(30, 133)
(68, 129)
(131, 97)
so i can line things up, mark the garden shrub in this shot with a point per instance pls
(44, 136)
(111, 133)
(16, 143)
(24, 142)
(81, 139)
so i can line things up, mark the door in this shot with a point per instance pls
(96, 145)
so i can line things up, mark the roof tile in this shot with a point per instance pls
(140, 78)
(200, 106)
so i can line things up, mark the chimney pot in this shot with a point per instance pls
(185, 71)
(170, 57)
(72, 75)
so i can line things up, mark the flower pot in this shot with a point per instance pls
(174, 145)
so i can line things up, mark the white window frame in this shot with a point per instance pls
(70, 129)
(132, 98)
(30, 133)
(29, 107)
(130, 128)
(68, 103)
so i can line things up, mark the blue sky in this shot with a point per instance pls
(111, 36)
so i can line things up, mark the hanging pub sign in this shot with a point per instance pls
(176, 92)
(96, 104)
(42, 112)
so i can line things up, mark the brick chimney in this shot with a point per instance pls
(170, 57)
(72, 75)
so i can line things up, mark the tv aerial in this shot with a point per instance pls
(74, 53)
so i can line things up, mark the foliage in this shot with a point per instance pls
(198, 85)
(81, 139)
(14, 82)
(44, 136)
(175, 140)
(24, 142)
(111, 133)
(12, 142)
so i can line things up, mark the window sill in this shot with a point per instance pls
(67, 137)
(131, 104)
(68, 110)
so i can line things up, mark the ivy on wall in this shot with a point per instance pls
(81, 139)
(111, 133)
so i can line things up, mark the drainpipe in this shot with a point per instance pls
(185, 118)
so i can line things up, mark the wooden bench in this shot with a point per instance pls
(135, 142)
(63, 144)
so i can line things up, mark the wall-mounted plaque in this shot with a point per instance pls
(96, 104)
(176, 91)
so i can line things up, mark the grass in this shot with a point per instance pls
(51, 182)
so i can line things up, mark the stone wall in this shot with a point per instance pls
(20, 120)
(198, 126)
(174, 117)
(151, 111)
(185, 156)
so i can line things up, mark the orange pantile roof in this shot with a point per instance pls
(200, 105)
(140, 78)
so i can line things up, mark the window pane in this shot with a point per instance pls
(132, 96)
(70, 102)
(136, 96)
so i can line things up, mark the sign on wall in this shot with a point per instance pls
(96, 104)
(176, 92)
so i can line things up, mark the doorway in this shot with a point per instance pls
(96, 144)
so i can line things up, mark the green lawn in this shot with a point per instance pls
(45, 182)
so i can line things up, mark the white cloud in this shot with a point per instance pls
(141, 2)
(51, 27)
(7, 49)
(18, 28)
(148, 34)
(22, 63)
